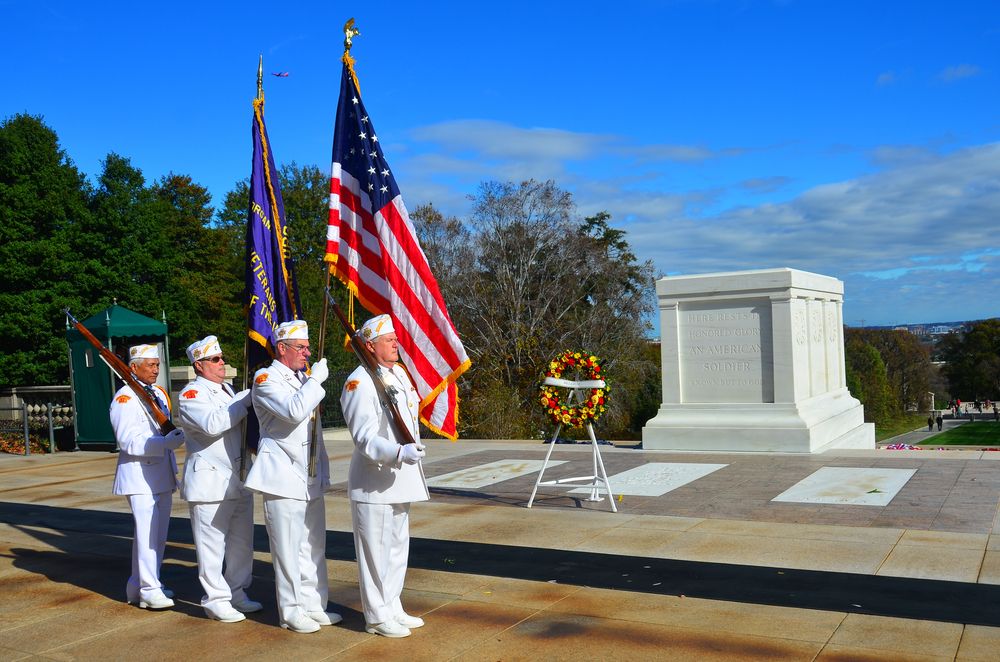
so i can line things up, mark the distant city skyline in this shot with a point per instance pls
(853, 139)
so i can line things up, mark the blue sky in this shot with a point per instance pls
(859, 140)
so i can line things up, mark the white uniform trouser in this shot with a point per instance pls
(223, 532)
(297, 531)
(382, 545)
(151, 513)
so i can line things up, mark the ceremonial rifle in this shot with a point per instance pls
(385, 392)
(121, 369)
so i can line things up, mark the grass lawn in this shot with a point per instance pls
(980, 433)
(908, 423)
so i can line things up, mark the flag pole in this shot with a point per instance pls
(245, 443)
(349, 33)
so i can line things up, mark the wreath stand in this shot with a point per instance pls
(597, 481)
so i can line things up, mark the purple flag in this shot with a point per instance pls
(271, 295)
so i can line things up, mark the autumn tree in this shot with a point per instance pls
(524, 278)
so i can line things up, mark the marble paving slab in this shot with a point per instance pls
(488, 474)
(848, 485)
(656, 478)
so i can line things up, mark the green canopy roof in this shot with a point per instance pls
(119, 322)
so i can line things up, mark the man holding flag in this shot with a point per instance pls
(372, 248)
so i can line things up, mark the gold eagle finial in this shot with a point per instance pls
(349, 33)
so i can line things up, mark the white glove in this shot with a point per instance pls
(411, 453)
(174, 439)
(243, 397)
(319, 371)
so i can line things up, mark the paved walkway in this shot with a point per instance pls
(711, 570)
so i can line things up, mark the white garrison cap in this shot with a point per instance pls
(294, 330)
(377, 326)
(202, 349)
(140, 352)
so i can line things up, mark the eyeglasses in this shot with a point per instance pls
(214, 359)
(298, 348)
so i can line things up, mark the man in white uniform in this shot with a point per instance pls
(285, 401)
(221, 508)
(146, 476)
(384, 478)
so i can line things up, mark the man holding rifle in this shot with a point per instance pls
(384, 478)
(146, 475)
(285, 401)
(221, 507)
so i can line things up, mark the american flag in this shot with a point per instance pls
(372, 248)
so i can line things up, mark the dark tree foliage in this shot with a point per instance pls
(305, 191)
(42, 197)
(889, 371)
(972, 361)
(867, 380)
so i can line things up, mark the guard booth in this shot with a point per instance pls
(93, 382)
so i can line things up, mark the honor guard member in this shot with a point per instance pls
(285, 400)
(221, 508)
(146, 476)
(384, 478)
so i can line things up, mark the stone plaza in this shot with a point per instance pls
(846, 554)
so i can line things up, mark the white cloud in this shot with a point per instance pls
(902, 239)
(958, 72)
(886, 78)
(501, 140)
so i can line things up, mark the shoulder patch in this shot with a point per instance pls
(190, 393)
(122, 399)
(351, 385)
(261, 378)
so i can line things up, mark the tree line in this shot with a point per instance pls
(892, 372)
(524, 276)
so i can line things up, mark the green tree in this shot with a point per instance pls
(203, 288)
(867, 379)
(972, 361)
(305, 191)
(907, 364)
(42, 196)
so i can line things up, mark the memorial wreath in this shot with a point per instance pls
(575, 366)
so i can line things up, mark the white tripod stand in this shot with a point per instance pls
(597, 481)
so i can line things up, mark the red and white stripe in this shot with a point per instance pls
(379, 259)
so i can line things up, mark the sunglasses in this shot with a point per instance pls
(214, 359)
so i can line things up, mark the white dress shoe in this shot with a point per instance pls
(246, 605)
(408, 621)
(325, 617)
(156, 602)
(390, 629)
(226, 615)
(302, 624)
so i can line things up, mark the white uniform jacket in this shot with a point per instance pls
(145, 464)
(376, 476)
(285, 408)
(213, 435)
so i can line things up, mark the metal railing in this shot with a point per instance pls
(37, 411)
(43, 419)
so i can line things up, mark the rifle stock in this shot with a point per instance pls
(121, 369)
(371, 367)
